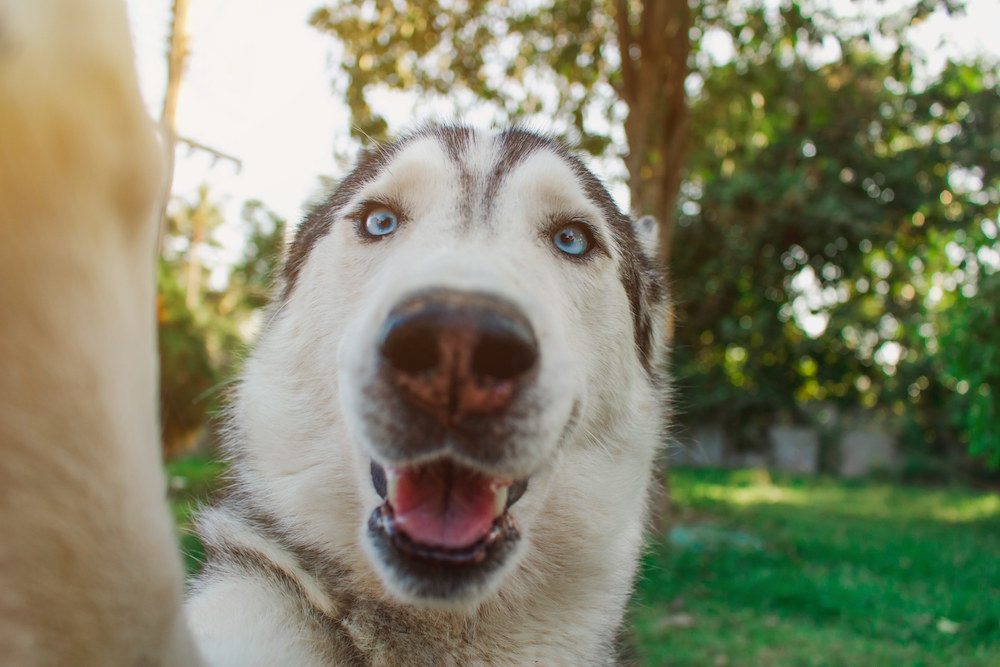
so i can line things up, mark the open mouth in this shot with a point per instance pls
(444, 514)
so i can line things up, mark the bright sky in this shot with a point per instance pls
(259, 86)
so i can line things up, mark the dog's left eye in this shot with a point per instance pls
(572, 238)
(381, 222)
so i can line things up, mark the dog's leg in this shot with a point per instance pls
(88, 567)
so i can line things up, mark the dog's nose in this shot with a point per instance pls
(455, 355)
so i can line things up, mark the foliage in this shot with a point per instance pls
(187, 373)
(819, 240)
(202, 328)
(524, 61)
(191, 482)
(253, 276)
(846, 574)
(970, 356)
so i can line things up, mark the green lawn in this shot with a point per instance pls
(786, 570)
(780, 570)
(191, 481)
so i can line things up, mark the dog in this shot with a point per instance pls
(442, 446)
(444, 439)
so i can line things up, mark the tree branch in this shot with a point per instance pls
(217, 154)
(626, 40)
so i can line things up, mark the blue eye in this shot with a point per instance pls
(572, 239)
(381, 222)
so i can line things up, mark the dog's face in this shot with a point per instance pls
(481, 312)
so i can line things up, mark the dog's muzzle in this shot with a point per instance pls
(455, 364)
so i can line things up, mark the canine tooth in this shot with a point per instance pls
(500, 501)
(391, 484)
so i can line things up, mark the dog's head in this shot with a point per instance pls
(479, 323)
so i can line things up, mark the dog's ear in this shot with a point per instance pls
(647, 231)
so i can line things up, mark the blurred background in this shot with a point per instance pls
(827, 174)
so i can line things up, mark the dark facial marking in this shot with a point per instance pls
(513, 146)
(456, 141)
(642, 282)
(317, 222)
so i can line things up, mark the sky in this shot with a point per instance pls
(259, 86)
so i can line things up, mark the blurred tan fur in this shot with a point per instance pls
(89, 573)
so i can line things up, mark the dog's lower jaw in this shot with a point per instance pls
(537, 615)
(431, 581)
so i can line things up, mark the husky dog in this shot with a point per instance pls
(443, 442)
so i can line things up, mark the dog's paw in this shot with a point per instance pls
(72, 117)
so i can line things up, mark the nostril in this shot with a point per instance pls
(453, 355)
(410, 347)
(504, 355)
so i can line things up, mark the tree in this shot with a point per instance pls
(841, 198)
(188, 373)
(177, 57)
(203, 329)
(970, 356)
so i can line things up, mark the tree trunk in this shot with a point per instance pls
(176, 59)
(654, 55)
(654, 51)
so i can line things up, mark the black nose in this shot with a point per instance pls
(455, 354)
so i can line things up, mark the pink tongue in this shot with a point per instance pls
(444, 505)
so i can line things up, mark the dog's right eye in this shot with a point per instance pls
(380, 222)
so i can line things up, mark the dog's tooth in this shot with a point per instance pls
(500, 501)
(392, 484)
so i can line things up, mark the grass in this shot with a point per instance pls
(191, 481)
(785, 570)
(777, 570)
